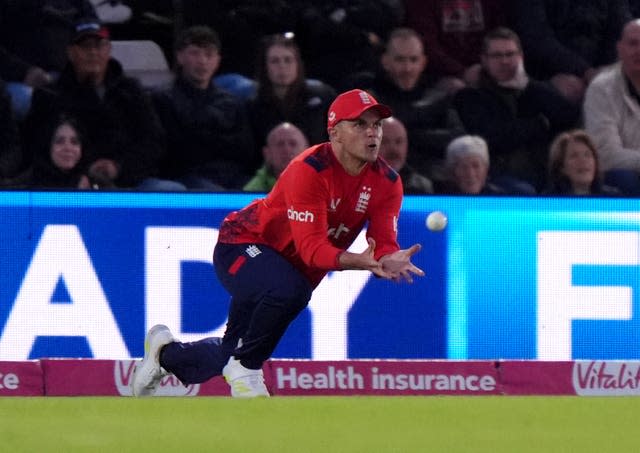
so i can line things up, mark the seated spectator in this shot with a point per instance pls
(424, 108)
(568, 41)
(453, 32)
(394, 149)
(284, 142)
(208, 132)
(123, 135)
(516, 115)
(34, 35)
(573, 166)
(10, 150)
(61, 164)
(468, 164)
(285, 95)
(612, 113)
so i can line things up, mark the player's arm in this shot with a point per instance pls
(306, 195)
(383, 227)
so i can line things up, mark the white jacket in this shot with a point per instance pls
(612, 119)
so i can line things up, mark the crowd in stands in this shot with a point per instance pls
(519, 97)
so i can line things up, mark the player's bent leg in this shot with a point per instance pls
(244, 382)
(196, 361)
(148, 372)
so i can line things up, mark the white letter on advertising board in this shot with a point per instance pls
(166, 249)
(560, 302)
(61, 255)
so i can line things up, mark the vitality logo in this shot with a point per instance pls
(169, 385)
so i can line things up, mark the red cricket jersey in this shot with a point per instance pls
(316, 210)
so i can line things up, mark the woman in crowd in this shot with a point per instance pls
(285, 95)
(574, 167)
(59, 164)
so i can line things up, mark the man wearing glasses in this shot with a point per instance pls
(516, 115)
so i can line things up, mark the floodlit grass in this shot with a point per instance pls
(320, 424)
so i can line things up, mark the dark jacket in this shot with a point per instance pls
(567, 36)
(36, 33)
(208, 134)
(518, 125)
(121, 125)
(309, 113)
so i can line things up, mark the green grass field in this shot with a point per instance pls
(320, 424)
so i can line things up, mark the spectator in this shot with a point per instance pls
(612, 113)
(453, 32)
(123, 134)
(516, 115)
(568, 41)
(10, 150)
(467, 164)
(285, 95)
(394, 148)
(208, 131)
(60, 164)
(424, 108)
(284, 142)
(34, 35)
(574, 167)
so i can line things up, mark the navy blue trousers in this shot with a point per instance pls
(267, 294)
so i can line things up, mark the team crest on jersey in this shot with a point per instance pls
(363, 199)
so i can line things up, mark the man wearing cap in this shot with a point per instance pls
(123, 132)
(33, 38)
(274, 252)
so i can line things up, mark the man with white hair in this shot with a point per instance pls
(467, 162)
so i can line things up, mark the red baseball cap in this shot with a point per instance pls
(351, 104)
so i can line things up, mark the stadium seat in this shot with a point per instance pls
(239, 85)
(144, 60)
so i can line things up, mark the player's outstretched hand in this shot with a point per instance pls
(364, 261)
(398, 265)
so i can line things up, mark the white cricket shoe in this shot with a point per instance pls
(148, 373)
(244, 383)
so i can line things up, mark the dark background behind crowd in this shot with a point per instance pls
(72, 117)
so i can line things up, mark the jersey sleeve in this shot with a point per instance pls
(383, 220)
(306, 195)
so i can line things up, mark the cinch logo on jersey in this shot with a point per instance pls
(298, 216)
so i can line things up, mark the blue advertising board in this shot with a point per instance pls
(85, 274)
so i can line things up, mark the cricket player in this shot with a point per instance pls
(271, 254)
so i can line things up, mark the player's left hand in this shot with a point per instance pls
(399, 266)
